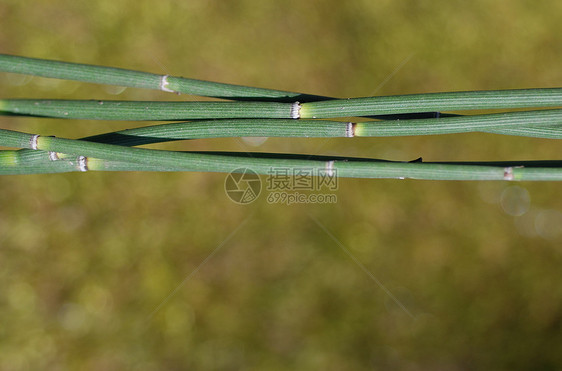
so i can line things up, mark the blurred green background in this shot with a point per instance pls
(103, 271)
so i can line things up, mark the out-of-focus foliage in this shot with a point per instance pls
(102, 271)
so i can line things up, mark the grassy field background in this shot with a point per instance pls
(103, 271)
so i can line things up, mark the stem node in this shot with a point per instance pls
(164, 84)
(350, 130)
(83, 163)
(33, 141)
(296, 111)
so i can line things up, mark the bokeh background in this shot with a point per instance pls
(154, 271)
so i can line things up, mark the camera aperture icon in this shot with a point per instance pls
(242, 186)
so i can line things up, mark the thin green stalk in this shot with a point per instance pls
(28, 161)
(144, 111)
(549, 132)
(40, 161)
(124, 77)
(226, 128)
(137, 79)
(353, 168)
(172, 84)
(138, 110)
(34, 162)
(366, 168)
(451, 101)
(525, 120)
(94, 157)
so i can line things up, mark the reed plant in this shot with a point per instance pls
(268, 113)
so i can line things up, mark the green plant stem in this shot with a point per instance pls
(224, 129)
(353, 168)
(549, 132)
(97, 155)
(174, 84)
(525, 120)
(139, 110)
(137, 79)
(143, 111)
(27, 161)
(450, 101)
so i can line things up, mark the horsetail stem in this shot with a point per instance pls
(525, 121)
(139, 110)
(449, 101)
(144, 111)
(146, 80)
(262, 164)
(462, 124)
(269, 113)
